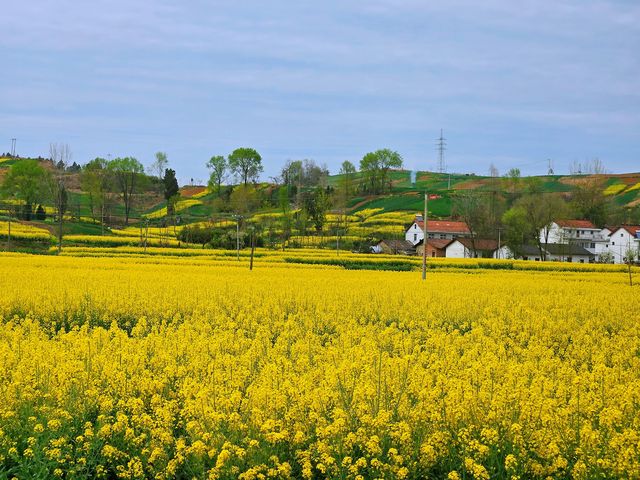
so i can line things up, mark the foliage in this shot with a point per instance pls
(246, 164)
(25, 181)
(218, 166)
(128, 175)
(375, 168)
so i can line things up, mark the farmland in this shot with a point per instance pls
(161, 363)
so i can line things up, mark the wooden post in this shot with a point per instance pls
(253, 246)
(424, 242)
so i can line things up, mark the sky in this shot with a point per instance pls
(511, 83)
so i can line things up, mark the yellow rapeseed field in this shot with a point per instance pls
(154, 367)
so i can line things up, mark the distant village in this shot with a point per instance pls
(578, 241)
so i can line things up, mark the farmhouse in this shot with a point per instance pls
(394, 247)
(582, 233)
(621, 240)
(436, 247)
(480, 248)
(558, 252)
(437, 229)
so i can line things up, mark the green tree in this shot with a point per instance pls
(95, 181)
(218, 166)
(26, 181)
(316, 204)
(348, 171)
(518, 231)
(128, 174)
(246, 163)
(375, 167)
(171, 190)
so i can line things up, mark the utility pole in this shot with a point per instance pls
(498, 251)
(238, 217)
(442, 146)
(253, 246)
(424, 242)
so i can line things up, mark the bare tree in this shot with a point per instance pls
(60, 155)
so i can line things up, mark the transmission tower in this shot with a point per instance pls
(442, 146)
(13, 147)
(550, 167)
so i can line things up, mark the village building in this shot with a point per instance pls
(582, 233)
(436, 229)
(436, 247)
(621, 240)
(394, 247)
(558, 252)
(480, 248)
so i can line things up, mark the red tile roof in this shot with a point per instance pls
(444, 226)
(576, 224)
(632, 229)
(439, 243)
(480, 243)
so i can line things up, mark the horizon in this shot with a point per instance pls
(510, 85)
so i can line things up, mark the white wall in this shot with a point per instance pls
(456, 250)
(619, 242)
(414, 234)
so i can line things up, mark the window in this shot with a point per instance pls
(613, 243)
(582, 260)
(415, 237)
(569, 259)
(593, 245)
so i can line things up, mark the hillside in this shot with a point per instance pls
(366, 217)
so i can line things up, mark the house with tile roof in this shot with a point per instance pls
(436, 229)
(582, 233)
(621, 240)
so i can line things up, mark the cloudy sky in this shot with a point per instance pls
(512, 83)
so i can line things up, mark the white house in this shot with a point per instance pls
(436, 229)
(464, 248)
(557, 252)
(582, 233)
(622, 239)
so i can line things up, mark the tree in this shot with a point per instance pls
(541, 211)
(60, 155)
(589, 202)
(95, 179)
(316, 204)
(26, 181)
(517, 229)
(474, 211)
(375, 167)
(127, 173)
(285, 208)
(245, 163)
(244, 199)
(171, 190)
(218, 166)
(348, 171)
(160, 164)
(512, 181)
